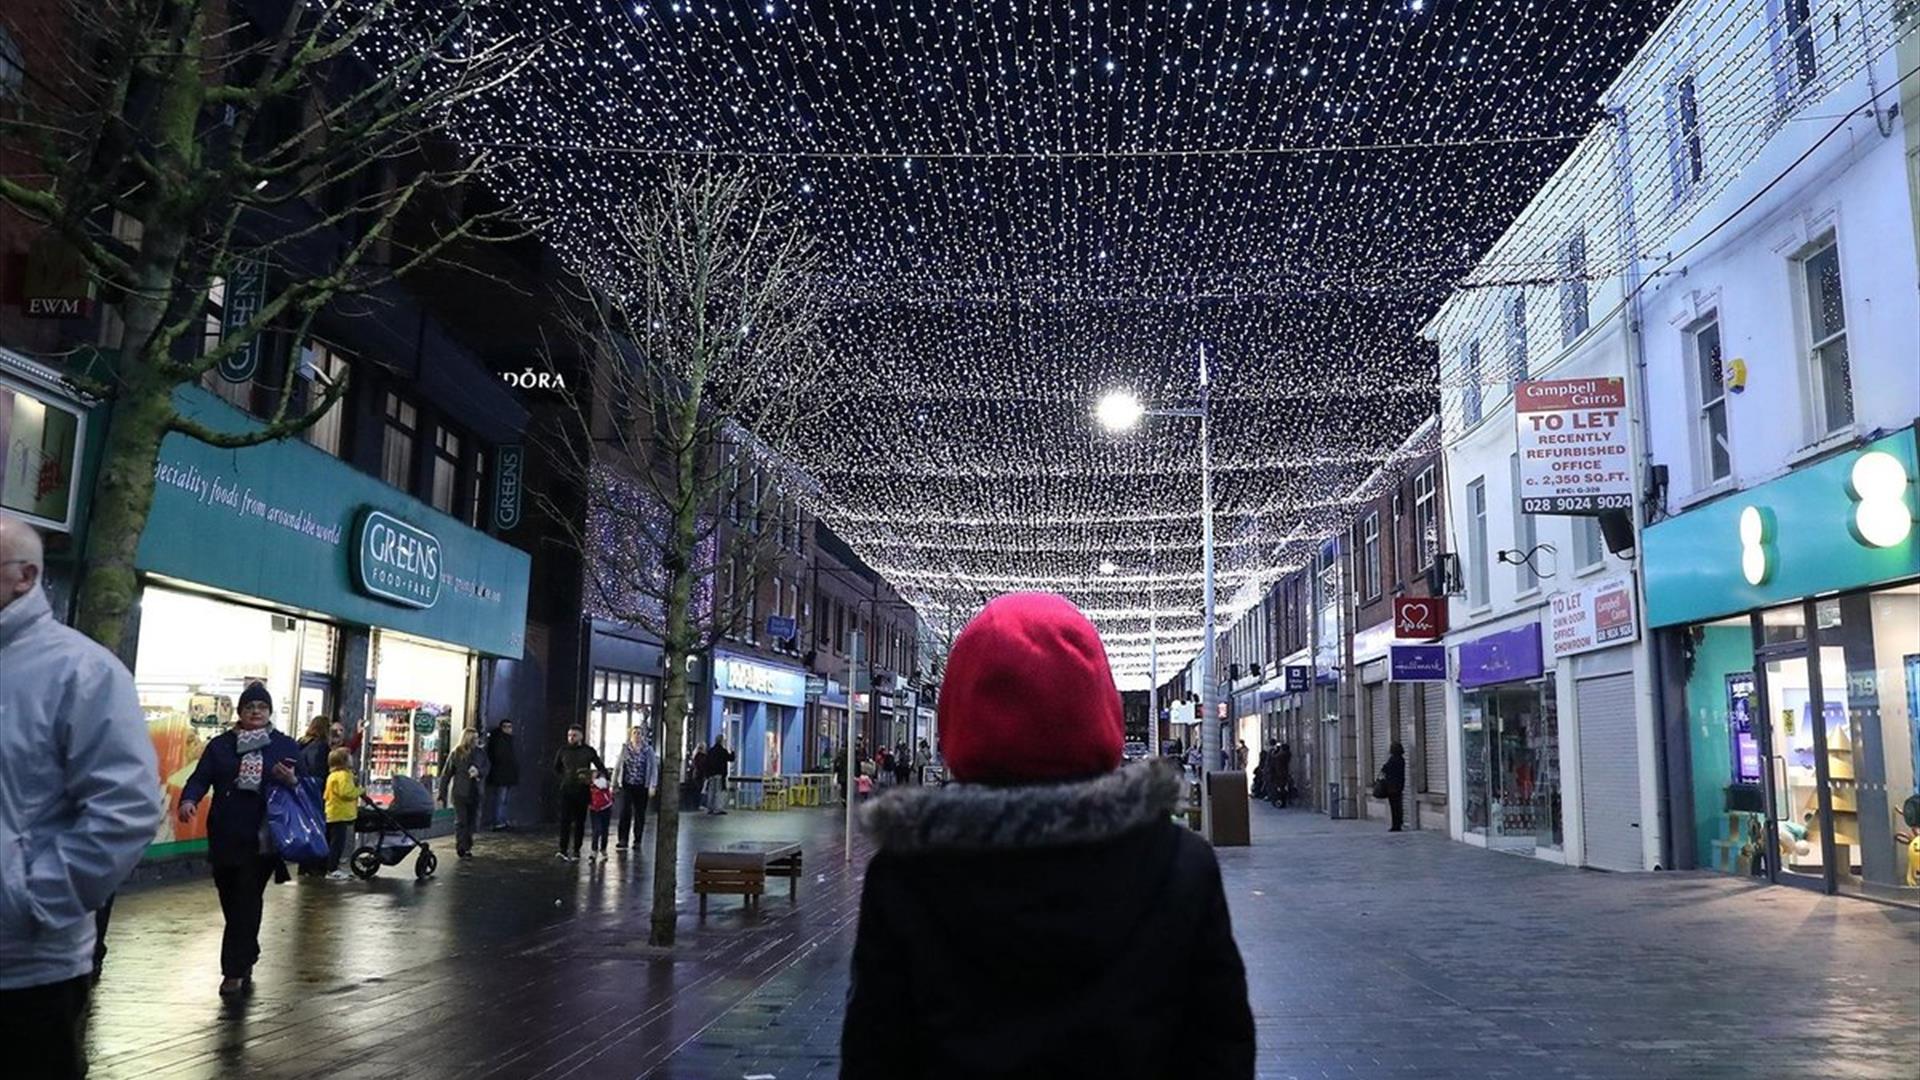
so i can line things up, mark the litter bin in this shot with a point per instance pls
(1229, 792)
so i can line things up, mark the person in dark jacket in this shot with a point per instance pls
(503, 772)
(236, 766)
(1043, 916)
(715, 764)
(1283, 775)
(464, 777)
(576, 764)
(1394, 774)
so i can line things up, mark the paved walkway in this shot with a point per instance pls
(1368, 955)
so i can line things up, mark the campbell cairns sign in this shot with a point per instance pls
(395, 561)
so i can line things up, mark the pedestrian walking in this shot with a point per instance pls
(463, 778)
(1283, 780)
(575, 764)
(902, 765)
(920, 761)
(503, 772)
(314, 749)
(235, 767)
(1194, 759)
(1240, 755)
(341, 798)
(639, 773)
(79, 803)
(717, 759)
(1393, 779)
(1043, 916)
(600, 809)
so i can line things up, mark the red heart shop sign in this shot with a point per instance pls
(1419, 618)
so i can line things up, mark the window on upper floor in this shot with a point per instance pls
(325, 368)
(1803, 65)
(477, 488)
(1426, 517)
(446, 469)
(1829, 374)
(401, 429)
(1478, 595)
(1712, 456)
(1517, 338)
(1573, 286)
(212, 332)
(1526, 537)
(1686, 154)
(13, 69)
(1370, 555)
(1589, 547)
(1470, 405)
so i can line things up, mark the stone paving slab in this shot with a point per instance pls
(1368, 954)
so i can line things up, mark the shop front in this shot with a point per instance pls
(759, 706)
(625, 668)
(345, 598)
(1509, 742)
(43, 427)
(829, 723)
(1789, 614)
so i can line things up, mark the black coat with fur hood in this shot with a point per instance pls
(1056, 931)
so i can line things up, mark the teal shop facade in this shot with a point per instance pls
(1788, 617)
(349, 599)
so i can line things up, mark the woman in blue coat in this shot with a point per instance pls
(236, 767)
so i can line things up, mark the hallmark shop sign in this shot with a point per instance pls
(1597, 616)
(740, 678)
(395, 561)
(1573, 445)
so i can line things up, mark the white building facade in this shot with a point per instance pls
(1781, 338)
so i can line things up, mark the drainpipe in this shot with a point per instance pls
(1655, 842)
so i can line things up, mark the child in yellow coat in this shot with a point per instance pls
(342, 797)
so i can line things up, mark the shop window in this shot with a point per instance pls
(1573, 287)
(1713, 455)
(446, 468)
(397, 441)
(39, 447)
(326, 369)
(1370, 555)
(1526, 537)
(1510, 764)
(1470, 389)
(422, 705)
(1477, 571)
(621, 701)
(1829, 374)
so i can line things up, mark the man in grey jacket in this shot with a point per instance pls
(79, 802)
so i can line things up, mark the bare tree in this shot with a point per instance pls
(702, 354)
(188, 148)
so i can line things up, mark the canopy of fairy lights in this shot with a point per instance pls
(1027, 205)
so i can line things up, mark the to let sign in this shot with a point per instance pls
(1595, 617)
(1572, 439)
(1419, 618)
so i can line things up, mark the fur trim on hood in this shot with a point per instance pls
(981, 817)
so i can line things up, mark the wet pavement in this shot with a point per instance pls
(1368, 955)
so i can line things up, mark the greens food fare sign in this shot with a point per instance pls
(395, 561)
(1572, 437)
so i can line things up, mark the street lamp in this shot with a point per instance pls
(1120, 411)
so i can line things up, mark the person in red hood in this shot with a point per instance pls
(1043, 916)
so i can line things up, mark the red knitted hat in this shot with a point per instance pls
(1028, 696)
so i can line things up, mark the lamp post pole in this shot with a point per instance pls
(1209, 726)
(1153, 650)
(853, 684)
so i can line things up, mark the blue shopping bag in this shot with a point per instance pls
(294, 820)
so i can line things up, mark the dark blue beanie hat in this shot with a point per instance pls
(256, 692)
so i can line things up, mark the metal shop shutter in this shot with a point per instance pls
(1609, 771)
(1433, 734)
(1377, 717)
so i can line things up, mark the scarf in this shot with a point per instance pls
(250, 744)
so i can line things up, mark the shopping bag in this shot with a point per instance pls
(1380, 788)
(294, 820)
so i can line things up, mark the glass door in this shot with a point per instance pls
(1795, 733)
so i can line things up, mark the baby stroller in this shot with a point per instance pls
(391, 828)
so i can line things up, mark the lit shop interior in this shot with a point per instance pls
(1804, 742)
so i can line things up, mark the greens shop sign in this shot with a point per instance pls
(395, 561)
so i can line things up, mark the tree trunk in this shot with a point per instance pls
(122, 498)
(679, 635)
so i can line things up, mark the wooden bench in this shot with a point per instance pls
(742, 869)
